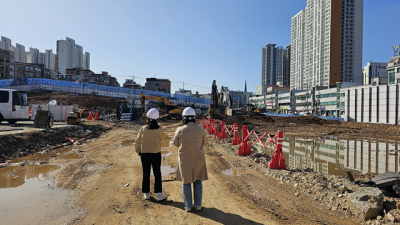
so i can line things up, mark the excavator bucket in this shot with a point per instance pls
(43, 119)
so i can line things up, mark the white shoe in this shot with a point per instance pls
(147, 196)
(160, 197)
(198, 208)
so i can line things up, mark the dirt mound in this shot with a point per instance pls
(83, 101)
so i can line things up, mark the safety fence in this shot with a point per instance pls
(277, 158)
(291, 115)
(30, 84)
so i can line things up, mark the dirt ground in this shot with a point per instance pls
(107, 185)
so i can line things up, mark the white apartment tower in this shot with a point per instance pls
(69, 55)
(326, 41)
(49, 59)
(6, 43)
(20, 54)
(86, 61)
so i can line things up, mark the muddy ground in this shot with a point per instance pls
(106, 185)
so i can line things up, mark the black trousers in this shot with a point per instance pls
(151, 160)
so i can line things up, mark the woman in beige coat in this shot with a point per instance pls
(148, 147)
(191, 139)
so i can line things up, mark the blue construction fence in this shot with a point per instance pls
(291, 115)
(42, 81)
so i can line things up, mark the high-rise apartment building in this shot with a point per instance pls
(326, 40)
(49, 59)
(86, 61)
(20, 54)
(69, 55)
(34, 54)
(274, 64)
(6, 43)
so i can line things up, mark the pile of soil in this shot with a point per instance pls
(83, 101)
(16, 145)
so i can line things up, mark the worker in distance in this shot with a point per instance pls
(148, 147)
(191, 139)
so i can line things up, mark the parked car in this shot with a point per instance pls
(13, 106)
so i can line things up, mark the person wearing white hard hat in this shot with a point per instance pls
(191, 139)
(148, 147)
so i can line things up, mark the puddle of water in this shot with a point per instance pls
(165, 170)
(25, 191)
(70, 156)
(166, 153)
(167, 142)
(58, 154)
(234, 172)
(334, 156)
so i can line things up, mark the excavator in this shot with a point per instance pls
(172, 110)
(220, 108)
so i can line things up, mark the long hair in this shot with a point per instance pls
(152, 124)
(188, 119)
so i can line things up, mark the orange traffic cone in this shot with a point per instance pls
(90, 115)
(244, 145)
(235, 139)
(277, 158)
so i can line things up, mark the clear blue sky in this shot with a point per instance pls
(182, 40)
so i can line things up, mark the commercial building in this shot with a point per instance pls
(326, 40)
(155, 84)
(372, 70)
(275, 65)
(70, 55)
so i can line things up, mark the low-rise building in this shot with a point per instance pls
(6, 67)
(33, 70)
(393, 70)
(184, 92)
(372, 70)
(80, 75)
(155, 84)
(129, 83)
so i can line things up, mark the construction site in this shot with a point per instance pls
(82, 168)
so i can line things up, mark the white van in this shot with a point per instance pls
(13, 105)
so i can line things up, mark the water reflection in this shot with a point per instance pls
(14, 176)
(234, 172)
(334, 156)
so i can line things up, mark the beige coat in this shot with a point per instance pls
(191, 140)
(149, 141)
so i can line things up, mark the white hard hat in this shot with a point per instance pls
(188, 112)
(153, 114)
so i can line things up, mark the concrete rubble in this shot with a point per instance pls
(367, 202)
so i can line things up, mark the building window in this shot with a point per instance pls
(391, 76)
